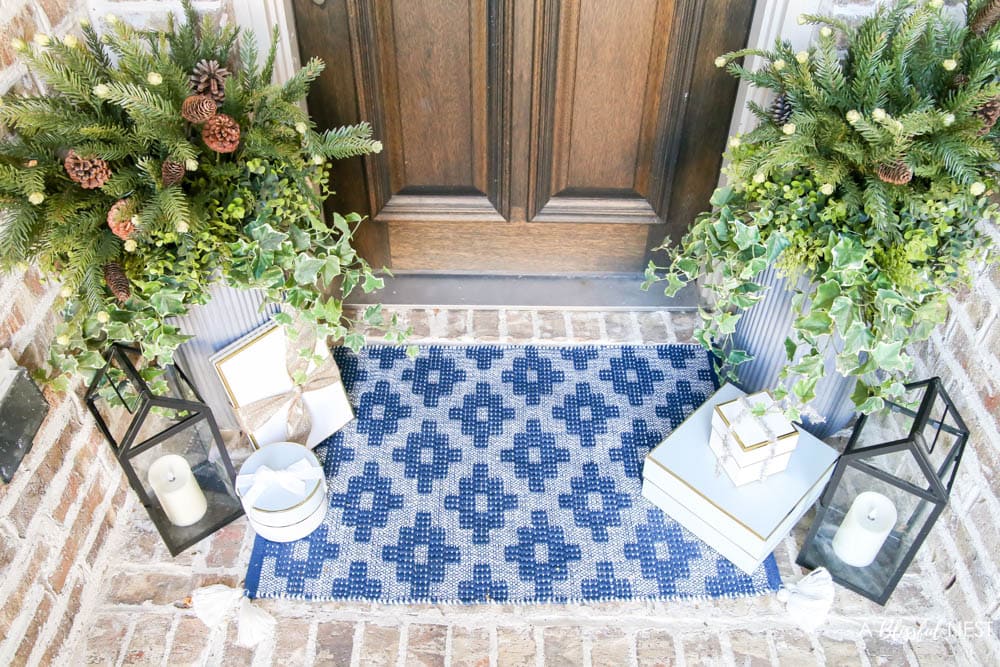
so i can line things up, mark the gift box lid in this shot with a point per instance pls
(750, 431)
(760, 507)
(279, 456)
(260, 355)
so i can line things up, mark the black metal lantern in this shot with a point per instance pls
(168, 443)
(887, 490)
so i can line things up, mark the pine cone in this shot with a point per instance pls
(89, 172)
(198, 108)
(896, 174)
(118, 283)
(209, 79)
(221, 133)
(172, 172)
(959, 80)
(781, 109)
(120, 219)
(986, 18)
(988, 113)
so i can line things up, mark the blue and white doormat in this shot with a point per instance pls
(504, 474)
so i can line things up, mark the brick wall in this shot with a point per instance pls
(57, 512)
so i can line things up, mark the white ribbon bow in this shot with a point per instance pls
(293, 479)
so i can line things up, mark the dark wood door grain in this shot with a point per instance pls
(527, 136)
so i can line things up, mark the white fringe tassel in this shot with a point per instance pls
(808, 601)
(213, 604)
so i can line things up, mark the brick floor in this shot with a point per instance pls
(142, 617)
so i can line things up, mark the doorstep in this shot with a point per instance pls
(612, 292)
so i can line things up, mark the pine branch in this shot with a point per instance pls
(349, 141)
(267, 71)
(61, 76)
(167, 209)
(146, 108)
(96, 48)
(298, 84)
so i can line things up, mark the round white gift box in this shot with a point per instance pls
(279, 514)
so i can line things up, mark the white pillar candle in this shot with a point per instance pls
(864, 530)
(177, 490)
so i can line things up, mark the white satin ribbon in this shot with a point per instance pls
(293, 479)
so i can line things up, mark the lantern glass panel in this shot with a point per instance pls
(172, 384)
(196, 444)
(117, 398)
(913, 512)
(894, 423)
(159, 419)
(939, 438)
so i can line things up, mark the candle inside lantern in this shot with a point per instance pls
(865, 528)
(177, 490)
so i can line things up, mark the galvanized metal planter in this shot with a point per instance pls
(229, 315)
(762, 331)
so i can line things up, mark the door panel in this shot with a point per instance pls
(429, 80)
(604, 58)
(600, 89)
(536, 136)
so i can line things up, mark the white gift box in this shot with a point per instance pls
(283, 491)
(743, 523)
(750, 446)
(254, 368)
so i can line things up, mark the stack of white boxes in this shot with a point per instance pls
(684, 478)
(751, 447)
(283, 490)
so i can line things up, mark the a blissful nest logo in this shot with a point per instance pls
(926, 629)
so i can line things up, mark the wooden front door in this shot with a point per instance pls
(525, 136)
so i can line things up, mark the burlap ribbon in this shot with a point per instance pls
(258, 413)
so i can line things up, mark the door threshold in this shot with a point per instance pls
(607, 292)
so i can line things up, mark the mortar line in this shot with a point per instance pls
(358, 644)
(168, 644)
(126, 640)
(312, 642)
(79, 568)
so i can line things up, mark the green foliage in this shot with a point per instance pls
(253, 218)
(806, 197)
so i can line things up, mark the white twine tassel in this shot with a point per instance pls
(213, 604)
(809, 600)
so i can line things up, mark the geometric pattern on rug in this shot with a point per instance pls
(508, 474)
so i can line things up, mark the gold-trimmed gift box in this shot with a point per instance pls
(255, 373)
